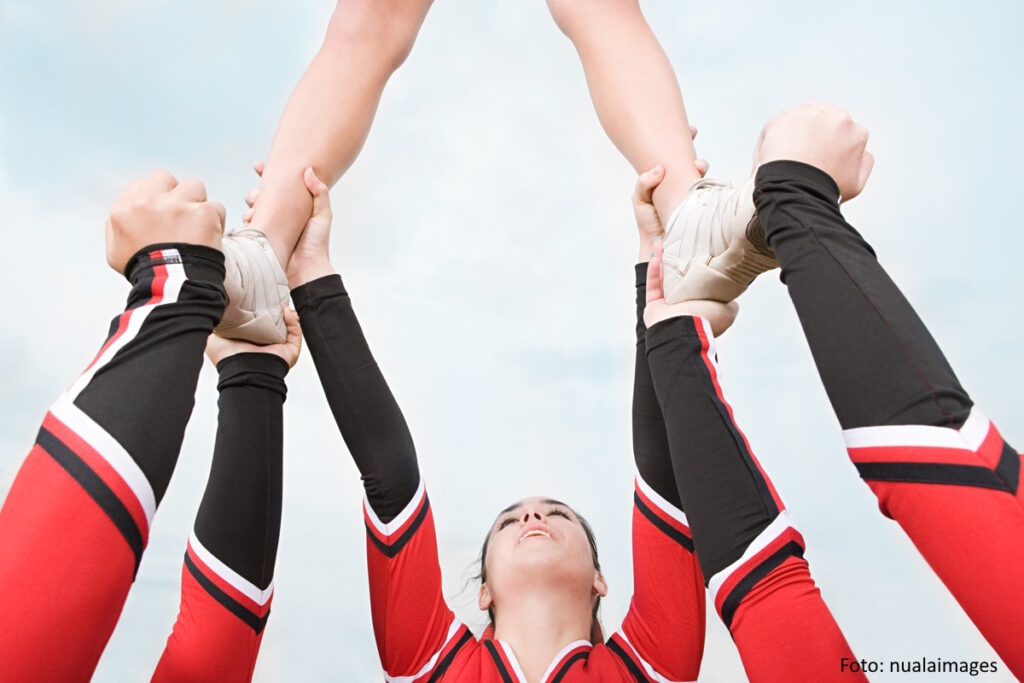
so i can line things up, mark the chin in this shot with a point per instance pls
(546, 563)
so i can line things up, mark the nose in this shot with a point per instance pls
(530, 515)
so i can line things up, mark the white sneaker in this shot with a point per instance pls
(714, 244)
(257, 288)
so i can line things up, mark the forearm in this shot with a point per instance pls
(728, 498)
(876, 358)
(750, 554)
(364, 408)
(411, 622)
(136, 397)
(668, 588)
(227, 579)
(911, 430)
(650, 439)
(239, 519)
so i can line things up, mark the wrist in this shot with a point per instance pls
(646, 249)
(308, 272)
(253, 369)
(655, 315)
(668, 332)
(659, 314)
(793, 170)
(315, 291)
(199, 264)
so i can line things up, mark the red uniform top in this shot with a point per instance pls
(419, 638)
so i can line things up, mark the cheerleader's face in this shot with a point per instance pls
(539, 543)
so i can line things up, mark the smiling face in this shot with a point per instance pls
(539, 542)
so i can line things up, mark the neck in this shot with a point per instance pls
(538, 624)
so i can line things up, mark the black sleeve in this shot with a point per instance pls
(876, 358)
(367, 414)
(650, 440)
(118, 428)
(239, 519)
(727, 496)
(140, 388)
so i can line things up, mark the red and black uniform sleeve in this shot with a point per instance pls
(227, 579)
(77, 517)
(750, 553)
(417, 634)
(938, 466)
(663, 631)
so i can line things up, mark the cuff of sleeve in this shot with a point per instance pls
(686, 326)
(203, 264)
(253, 369)
(811, 177)
(641, 274)
(315, 290)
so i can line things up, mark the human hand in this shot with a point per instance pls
(648, 222)
(824, 136)
(311, 257)
(218, 348)
(700, 164)
(158, 208)
(720, 315)
(253, 194)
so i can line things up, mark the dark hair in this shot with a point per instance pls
(595, 627)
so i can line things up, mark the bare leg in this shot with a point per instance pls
(634, 90)
(328, 116)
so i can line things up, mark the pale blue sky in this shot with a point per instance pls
(486, 236)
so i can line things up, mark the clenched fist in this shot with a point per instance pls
(824, 136)
(157, 209)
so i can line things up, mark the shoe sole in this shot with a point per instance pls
(721, 278)
(260, 330)
(260, 321)
(727, 275)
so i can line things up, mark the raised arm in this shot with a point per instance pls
(750, 553)
(227, 581)
(77, 517)
(938, 466)
(414, 628)
(663, 631)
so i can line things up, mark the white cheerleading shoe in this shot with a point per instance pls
(714, 244)
(257, 289)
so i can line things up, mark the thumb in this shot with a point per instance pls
(321, 195)
(645, 184)
(655, 288)
(294, 331)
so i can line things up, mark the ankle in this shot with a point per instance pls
(671, 193)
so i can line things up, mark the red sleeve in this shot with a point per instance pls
(411, 621)
(663, 632)
(76, 519)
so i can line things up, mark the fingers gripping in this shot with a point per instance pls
(654, 283)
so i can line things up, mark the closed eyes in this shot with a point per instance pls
(551, 513)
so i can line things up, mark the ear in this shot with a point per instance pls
(600, 585)
(484, 599)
